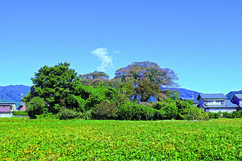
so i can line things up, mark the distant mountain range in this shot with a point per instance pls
(185, 93)
(14, 93)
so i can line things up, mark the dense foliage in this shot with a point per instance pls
(234, 114)
(94, 79)
(52, 89)
(60, 92)
(148, 79)
(26, 139)
(20, 113)
(14, 93)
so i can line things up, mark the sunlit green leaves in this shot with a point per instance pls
(25, 139)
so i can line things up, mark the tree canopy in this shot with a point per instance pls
(95, 75)
(94, 79)
(148, 78)
(54, 84)
(57, 91)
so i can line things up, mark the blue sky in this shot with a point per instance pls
(200, 40)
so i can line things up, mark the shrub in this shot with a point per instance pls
(47, 116)
(87, 115)
(75, 103)
(105, 110)
(20, 113)
(147, 112)
(36, 107)
(186, 111)
(236, 114)
(132, 111)
(218, 115)
(129, 111)
(211, 115)
(158, 106)
(169, 111)
(194, 113)
(65, 114)
(225, 115)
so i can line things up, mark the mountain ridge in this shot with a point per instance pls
(15, 93)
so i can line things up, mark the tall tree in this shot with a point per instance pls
(54, 84)
(148, 78)
(94, 79)
(95, 75)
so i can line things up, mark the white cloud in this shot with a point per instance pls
(102, 54)
(117, 51)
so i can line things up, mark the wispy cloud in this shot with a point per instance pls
(117, 52)
(102, 54)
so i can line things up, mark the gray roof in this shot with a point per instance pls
(212, 96)
(7, 103)
(228, 104)
(239, 96)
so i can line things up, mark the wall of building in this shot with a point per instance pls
(5, 106)
(10, 114)
(5, 109)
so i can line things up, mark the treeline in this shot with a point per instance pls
(234, 114)
(136, 93)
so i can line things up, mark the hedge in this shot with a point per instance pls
(20, 113)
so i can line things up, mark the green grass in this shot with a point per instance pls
(25, 139)
(20, 113)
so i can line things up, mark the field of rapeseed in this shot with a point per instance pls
(120, 140)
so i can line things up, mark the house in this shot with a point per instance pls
(237, 99)
(215, 103)
(22, 107)
(6, 109)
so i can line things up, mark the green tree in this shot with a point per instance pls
(167, 109)
(53, 85)
(172, 94)
(94, 79)
(186, 111)
(148, 78)
(105, 110)
(36, 107)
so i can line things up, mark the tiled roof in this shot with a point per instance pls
(7, 103)
(228, 104)
(239, 96)
(212, 96)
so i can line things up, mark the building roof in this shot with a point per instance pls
(7, 103)
(212, 96)
(239, 96)
(228, 104)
